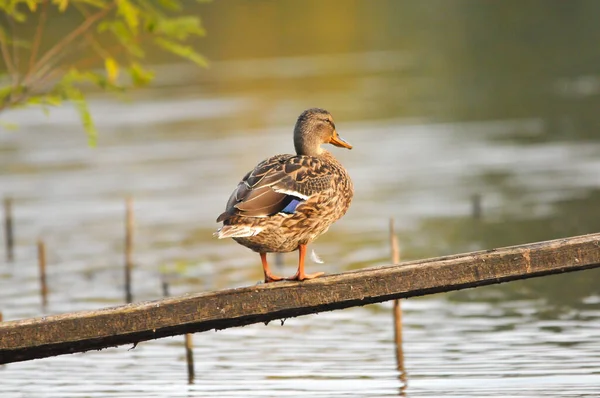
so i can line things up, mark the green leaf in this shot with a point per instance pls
(5, 92)
(10, 7)
(53, 100)
(94, 3)
(112, 69)
(104, 26)
(47, 99)
(13, 96)
(180, 28)
(171, 5)
(74, 95)
(32, 4)
(139, 75)
(44, 101)
(125, 23)
(182, 50)
(123, 35)
(62, 4)
(130, 13)
(150, 10)
(95, 77)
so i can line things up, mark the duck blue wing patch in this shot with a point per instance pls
(290, 208)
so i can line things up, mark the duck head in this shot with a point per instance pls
(314, 128)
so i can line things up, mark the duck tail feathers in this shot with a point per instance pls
(237, 231)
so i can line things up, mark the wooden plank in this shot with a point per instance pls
(88, 330)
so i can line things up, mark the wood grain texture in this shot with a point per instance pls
(90, 330)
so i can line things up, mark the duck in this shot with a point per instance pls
(287, 201)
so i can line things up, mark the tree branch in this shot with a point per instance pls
(58, 47)
(15, 53)
(38, 36)
(10, 67)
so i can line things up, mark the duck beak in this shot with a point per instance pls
(338, 141)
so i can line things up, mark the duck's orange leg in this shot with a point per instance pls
(269, 277)
(300, 275)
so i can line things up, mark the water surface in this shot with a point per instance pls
(441, 100)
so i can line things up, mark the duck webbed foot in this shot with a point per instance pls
(269, 277)
(300, 275)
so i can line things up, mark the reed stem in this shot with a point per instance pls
(395, 257)
(128, 248)
(41, 247)
(8, 230)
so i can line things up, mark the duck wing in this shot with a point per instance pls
(278, 184)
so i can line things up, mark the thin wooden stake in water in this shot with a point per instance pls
(42, 263)
(8, 229)
(128, 248)
(189, 357)
(476, 210)
(395, 254)
(165, 286)
(189, 342)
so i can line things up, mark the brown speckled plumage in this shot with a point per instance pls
(258, 214)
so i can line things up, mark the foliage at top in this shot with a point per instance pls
(117, 32)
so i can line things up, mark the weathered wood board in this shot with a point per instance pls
(90, 330)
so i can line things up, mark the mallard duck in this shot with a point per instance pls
(287, 201)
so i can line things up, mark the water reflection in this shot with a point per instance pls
(443, 100)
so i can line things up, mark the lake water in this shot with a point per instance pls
(443, 101)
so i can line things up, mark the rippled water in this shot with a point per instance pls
(180, 148)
